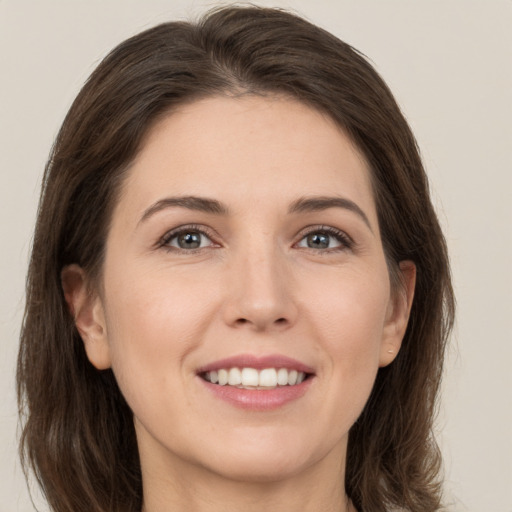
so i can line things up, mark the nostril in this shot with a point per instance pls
(261, 323)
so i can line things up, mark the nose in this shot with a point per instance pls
(259, 294)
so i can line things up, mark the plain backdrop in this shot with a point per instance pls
(449, 64)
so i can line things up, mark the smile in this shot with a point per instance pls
(257, 383)
(252, 378)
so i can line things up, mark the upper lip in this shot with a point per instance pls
(257, 362)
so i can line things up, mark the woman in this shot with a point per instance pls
(239, 293)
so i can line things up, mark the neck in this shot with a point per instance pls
(249, 497)
(187, 489)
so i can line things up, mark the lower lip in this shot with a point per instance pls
(259, 399)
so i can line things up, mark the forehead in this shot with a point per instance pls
(247, 150)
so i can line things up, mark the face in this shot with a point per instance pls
(244, 248)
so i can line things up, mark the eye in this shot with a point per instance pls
(325, 238)
(188, 238)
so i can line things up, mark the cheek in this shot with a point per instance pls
(348, 316)
(350, 306)
(154, 319)
(157, 304)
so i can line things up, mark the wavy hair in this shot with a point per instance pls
(78, 434)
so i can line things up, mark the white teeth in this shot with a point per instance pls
(268, 378)
(282, 376)
(223, 377)
(251, 378)
(235, 377)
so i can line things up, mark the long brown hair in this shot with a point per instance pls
(78, 433)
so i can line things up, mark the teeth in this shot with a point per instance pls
(235, 377)
(250, 378)
(282, 376)
(223, 377)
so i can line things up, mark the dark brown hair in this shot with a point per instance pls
(78, 433)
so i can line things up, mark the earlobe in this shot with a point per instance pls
(87, 311)
(398, 314)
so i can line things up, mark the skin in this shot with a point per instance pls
(253, 287)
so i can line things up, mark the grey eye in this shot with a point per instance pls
(319, 240)
(189, 240)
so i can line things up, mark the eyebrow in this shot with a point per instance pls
(319, 203)
(200, 204)
(301, 205)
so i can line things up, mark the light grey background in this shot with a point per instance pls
(449, 64)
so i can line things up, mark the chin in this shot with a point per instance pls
(266, 458)
(260, 469)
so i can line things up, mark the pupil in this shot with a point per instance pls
(189, 240)
(318, 241)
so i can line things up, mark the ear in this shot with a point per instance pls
(87, 310)
(398, 312)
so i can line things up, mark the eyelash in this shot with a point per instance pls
(346, 243)
(190, 228)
